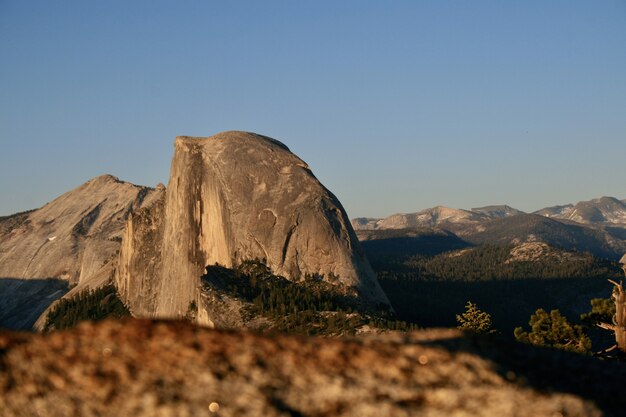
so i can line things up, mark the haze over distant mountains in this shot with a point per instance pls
(597, 226)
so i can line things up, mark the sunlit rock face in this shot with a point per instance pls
(233, 197)
(70, 237)
(71, 241)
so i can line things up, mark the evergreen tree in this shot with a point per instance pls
(602, 311)
(311, 306)
(474, 320)
(92, 305)
(553, 330)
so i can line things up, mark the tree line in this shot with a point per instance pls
(310, 306)
(493, 262)
(91, 305)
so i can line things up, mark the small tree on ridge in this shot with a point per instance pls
(474, 320)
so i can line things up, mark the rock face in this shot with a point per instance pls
(233, 197)
(70, 241)
(143, 368)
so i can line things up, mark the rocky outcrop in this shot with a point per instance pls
(71, 241)
(233, 197)
(143, 368)
(139, 267)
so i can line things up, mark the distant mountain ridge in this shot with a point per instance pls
(603, 210)
(439, 216)
(497, 211)
(597, 226)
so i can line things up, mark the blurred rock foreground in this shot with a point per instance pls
(147, 368)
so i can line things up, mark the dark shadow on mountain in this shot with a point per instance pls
(22, 301)
(404, 243)
(510, 302)
(561, 234)
(13, 221)
(549, 370)
(617, 232)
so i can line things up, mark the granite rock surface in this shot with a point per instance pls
(71, 242)
(144, 368)
(233, 197)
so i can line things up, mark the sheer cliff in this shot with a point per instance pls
(233, 197)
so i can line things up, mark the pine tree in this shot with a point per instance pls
(602, 311)
(474, 320)
(553, 330)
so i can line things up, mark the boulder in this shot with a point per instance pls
(143, 368)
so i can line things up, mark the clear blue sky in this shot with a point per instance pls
(397, 106)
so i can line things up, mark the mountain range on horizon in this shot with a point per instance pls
(605, 210)
(268, 206)
(597, 226)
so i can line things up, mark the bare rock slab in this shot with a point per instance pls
(71, 241)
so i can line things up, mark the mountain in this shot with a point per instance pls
(558, 212)
(536, 228)
(456, 220)
(436, 217)
(70, 242)
(364, 223)
(500, 211)
(607, 211)
(597, 226)
(237, 200)
(141, 368)
(233, 198)
(383, 244)
(510, 266)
